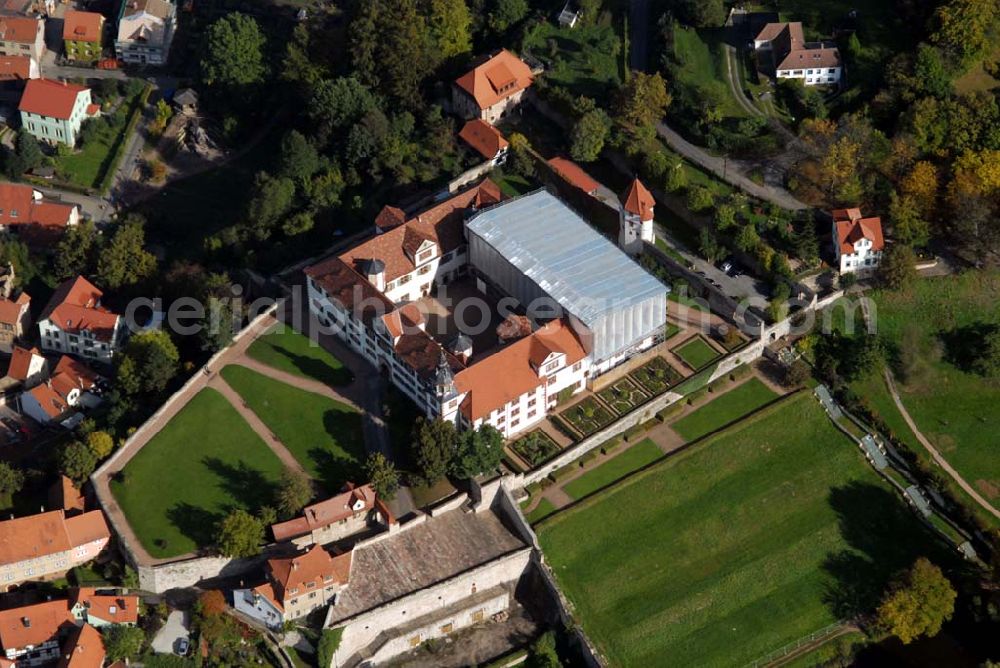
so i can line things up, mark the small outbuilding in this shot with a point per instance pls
(186, 101)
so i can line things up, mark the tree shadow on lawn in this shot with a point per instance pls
(884, 537)
(195, 523)
(335, 470)
(315, 368)
(963, 345)
(247, 487)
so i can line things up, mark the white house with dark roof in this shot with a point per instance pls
(814, 63)
(145, 31)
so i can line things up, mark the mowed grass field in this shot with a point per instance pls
(719, 412)
(288, 350)
(205, 462)
(696, 353)
(642, 453)
(324, 435)
(731, 549)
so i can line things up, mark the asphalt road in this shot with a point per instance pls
(638, 18)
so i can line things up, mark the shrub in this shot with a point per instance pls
(610, 445)
(589, 457)
(563, 473)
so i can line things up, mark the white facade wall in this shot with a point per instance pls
(434, 270)
(863, 260)
(35, 655)
(59, 562)
(466, 106)
(812, 76)
(54, 339)
(633, 231)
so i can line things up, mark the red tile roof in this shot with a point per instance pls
(84, 648)
(20, 362)
(640, 201)
(37, 220)
(75, 307)
(292, 576)
(87, 528)
(114, 609)
(15, 68)
(33, 624)
(498, 78)
(82, 26)
(352, 501)
(72, 374)
(512, 371)
(19, 29)
(33, 536)
(46, 97)
(851, 227)
(574, 175)
(350, 289)
(12, 310)
(484, 138)
(64, 494)
(822, 57)
(442, 223)
(389, 217)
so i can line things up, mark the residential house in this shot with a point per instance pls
(83, 35)
(145, 31)
(295, 586)
(486, 140)
(83, 648)
(103, 609)
(48, 544)
(490, 90)
(636, 219)
(354, 510)
(781, 47)
(39, 223)
(27, 368)
(186, 101)
(53, 111)
(74, 322)
(71, 386)
(66, 495)
(22, 36)
(15, 319)
(16, 70)
(27, 8)
(31, 634)
(857, 241)
(574, 175)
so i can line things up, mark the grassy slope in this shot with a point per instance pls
(735, 547)
(587, 60)
(639, 455)
(705, 65)
(288, 350)
(204, 462)
(325, 436)
(719, 412)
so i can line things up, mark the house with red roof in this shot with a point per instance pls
(295, 586)
(636, 219)
(493, 88)
(75, 322)
(22, 36)
(781, 48)
(53, 111)
(27, 368)
(48, 544)
(83, 648)
(354, 510)
(100, 609)
(71, 387)
(32, 634)
(16, 70)
(14, 320)
(485, 140)
(574, 175)
(83, 34)
(38, 222)
(857, 241)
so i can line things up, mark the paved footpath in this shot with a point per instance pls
(941, 461)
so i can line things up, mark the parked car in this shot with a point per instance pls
(183, 647)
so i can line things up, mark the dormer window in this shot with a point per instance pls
(423, 256)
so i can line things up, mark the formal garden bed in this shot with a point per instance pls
(623, 395)
(696, 352)
(535, 448)
(656, 376)
(588, 416)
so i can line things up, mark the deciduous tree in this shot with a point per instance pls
(382, 475)
(506, 13)
(918, 603)
(77, 462)
(240, 534)
(449, 23)
(898, 266)
(294, 492)
(233, 54)
(11, 479)
(149, 362)
(76, 252)
(478, 451)
(589, 135)
(434, 442)
(100, 443)
(908, 225)
(963, 28)
(124, 260)
(122, 642)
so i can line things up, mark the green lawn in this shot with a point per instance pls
(735, 547)
(513, 185)
(288, 350)
(203, 463)
(586, 60)
(696, 353)
(642, 453)
(87, 166)
(324, 435)
(541, 511)
(954, 408)
(724, 409)
(704, 66)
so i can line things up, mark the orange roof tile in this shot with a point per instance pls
(15, 68)
(574, 175)
(498, 78)
(315, 566)
(87, 528)
(484, 138)
(852, 227)
(19, 208)
(46, 97)
(640, 201)
(19, 29)
(64, 494)
(71, 374)
(84, 648)
(33, 536)
(115, 609)
(11, 310)
(75, 307)
(325, 513)
(82, 26)
(512, 371)
(50, 401)
(442, 223)
(389, 217)
(403, 320)
(33, 624)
